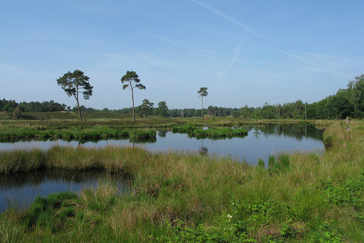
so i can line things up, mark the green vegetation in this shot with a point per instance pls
(145, 108)
(73, 83)
(131, 79)
(95, 128)
(162, 109)
(211, 132)
(345, 103)
(202, 92)
(183, 197)
(68, 132)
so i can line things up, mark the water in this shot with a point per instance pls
(260, 143)
(21, 188)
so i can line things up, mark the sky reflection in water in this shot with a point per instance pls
(260, 143)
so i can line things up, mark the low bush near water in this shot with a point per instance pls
(199, 132)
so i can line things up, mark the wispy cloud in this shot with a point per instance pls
(313, 62)
(149, 58)
(180, 43)
(232, 60)
(173, 42)
(248, 30)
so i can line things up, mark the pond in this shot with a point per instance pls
(20, 189)
(260, 143)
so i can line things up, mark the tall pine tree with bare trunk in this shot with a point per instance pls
(75, 83)
(131, 79)
(202, 92)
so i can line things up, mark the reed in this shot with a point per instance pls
(116, 128)
(75, 133)
(184, 197)
(214, 132)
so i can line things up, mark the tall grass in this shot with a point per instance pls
(176, 197)
(214, 132)
(75, 133)
(112, 128)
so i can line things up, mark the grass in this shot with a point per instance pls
(74, 133)
(97, 128)
(214, 132)
(186, 197)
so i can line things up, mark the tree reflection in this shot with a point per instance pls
(37, 177)
(203, 150)
(289, 130)
(162, 133)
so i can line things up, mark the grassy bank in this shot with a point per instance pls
(126, 128)
(78, 133)
(303, 197)
(214, 132)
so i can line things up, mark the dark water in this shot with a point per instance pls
(261, 142)
(20, 189)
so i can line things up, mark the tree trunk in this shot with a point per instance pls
(202, 107)
(79, 111)
(132, 98)
(78, 104)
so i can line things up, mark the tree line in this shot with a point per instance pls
(33, 106)
(347, 102)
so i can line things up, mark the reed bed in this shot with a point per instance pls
(124, 128)
(213, 132)
(75, 133)
(187, 197)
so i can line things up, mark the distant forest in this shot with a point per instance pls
(347, 102)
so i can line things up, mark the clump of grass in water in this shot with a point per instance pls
(21, 160)
(142, 133)
(211, 132)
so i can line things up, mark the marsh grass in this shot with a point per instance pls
(21, 160)
(214, 132)
(97, 128)
(188, 197)
(74, 133)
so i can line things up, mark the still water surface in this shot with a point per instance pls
(260, 143)
(20, 189)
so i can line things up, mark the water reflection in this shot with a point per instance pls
(162, 133)
(20, 189)
(289, 130)
(262, 141)
(203, 150)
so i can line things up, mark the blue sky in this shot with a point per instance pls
(245, 52)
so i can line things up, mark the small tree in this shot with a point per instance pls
(75, 83)
(145, 108)
(131, 79)
(162, 109)
(202, 92)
